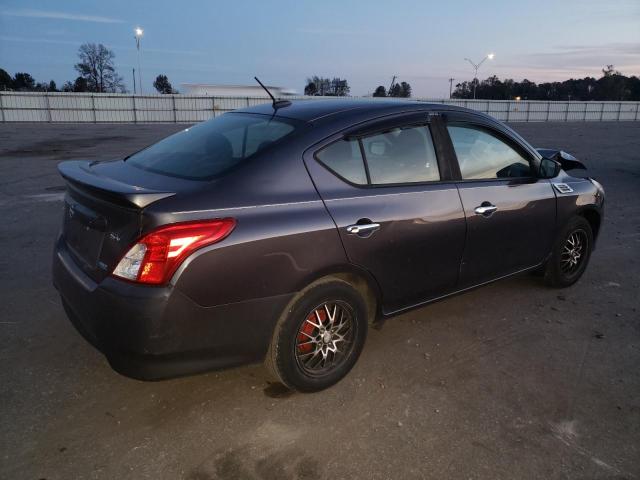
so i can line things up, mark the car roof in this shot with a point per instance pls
(313, 110)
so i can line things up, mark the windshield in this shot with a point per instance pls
(209, 149)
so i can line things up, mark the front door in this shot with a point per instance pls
(398, 217)
(510, 213)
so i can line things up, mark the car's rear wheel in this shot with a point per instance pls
(570, 255)
(319, 338)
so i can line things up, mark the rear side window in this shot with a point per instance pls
(484, 156)
(345, 159)
(208, 149)
(401, 155)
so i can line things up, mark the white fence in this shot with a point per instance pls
(124, 108)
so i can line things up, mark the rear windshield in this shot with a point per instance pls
(209, 149)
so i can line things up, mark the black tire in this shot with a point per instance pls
(559, 273)
(286, 357)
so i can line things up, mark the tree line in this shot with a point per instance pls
(321, 87)
(612, 86)
(401, 90)
(318, 86)
(96, 73)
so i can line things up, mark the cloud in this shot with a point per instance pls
(170, 51)
(580, 51)
(32, 13)
(571, 61)
(329, 31)
(5, 38)
(76, 43)
(620, 11)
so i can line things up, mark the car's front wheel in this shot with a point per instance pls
(570, 255)
(319, 338)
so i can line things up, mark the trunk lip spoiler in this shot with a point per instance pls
(78, 173)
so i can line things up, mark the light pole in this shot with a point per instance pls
(476, 66)
(138, 35)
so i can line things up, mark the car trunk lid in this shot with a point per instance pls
(103, 215)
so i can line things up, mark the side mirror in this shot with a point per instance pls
(549, 168)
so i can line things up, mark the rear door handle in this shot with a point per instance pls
(486, 209)
(367, 228)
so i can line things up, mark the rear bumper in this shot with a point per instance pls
(151, 333)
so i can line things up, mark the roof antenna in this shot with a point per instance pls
(276, 103)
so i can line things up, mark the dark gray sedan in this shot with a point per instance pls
(280, 232)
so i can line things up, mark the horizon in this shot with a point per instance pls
(285, 42)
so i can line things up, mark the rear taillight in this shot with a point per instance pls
(157, 255)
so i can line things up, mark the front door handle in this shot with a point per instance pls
(486, 209)
(364, 229)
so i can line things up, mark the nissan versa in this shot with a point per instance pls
(280, 232)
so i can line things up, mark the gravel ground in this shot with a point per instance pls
(513, 380)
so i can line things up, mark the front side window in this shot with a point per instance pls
(484, 156)
(401, 155)
(210, 148)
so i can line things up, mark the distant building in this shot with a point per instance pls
(233, 90)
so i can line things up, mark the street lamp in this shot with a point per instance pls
(138, 35)
(476, 66)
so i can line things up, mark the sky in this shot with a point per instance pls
(367, 42)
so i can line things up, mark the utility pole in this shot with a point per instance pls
(393, 81)
(451, 86)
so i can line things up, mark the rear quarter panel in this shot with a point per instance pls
(274, 250)
(284, 237)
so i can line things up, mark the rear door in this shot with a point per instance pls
(510, 212)
(389, 190)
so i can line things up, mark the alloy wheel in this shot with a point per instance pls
(325, 338)
(573, 252)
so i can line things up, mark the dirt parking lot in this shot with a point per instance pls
(513, 380)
